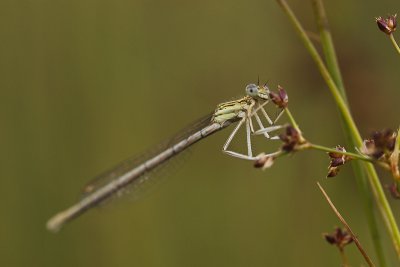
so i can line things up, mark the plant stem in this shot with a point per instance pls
(379, 194)
(345, 262)
(292, 120)
(394, 43)
(348, 228)
(358, 167)
(350, 154)
(324, 71)
(394, 158)
(328, 46)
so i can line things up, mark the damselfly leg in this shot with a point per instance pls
(247, 119)
(234, 132)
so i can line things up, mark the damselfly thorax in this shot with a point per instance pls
(244, 110)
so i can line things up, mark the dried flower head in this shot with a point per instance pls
(380, 145)
(264, 161)
(339, 237)
(368, 148)
(281, 99)
(337, 159)
(387, 25)
(291, 139)
(332, 172)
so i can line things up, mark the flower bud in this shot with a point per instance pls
(337, 159)
(290, 138)
(281, 99)
(332, 172)
(264, 161)
(380, 145)
(339, 237)
(387, 25)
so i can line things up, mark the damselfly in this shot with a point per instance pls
(133, 172)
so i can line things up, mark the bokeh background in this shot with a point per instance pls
(85, 84)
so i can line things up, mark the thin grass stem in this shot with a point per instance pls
(379, 194)
(328, 46)
(396, 46)
(292, 120)
(343, 221)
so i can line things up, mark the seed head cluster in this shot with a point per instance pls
(339, 237)
(380, 145)
(387, 25)
(337, 159)
(281, 99)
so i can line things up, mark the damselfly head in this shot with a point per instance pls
(257, 91)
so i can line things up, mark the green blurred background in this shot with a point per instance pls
(86, 84)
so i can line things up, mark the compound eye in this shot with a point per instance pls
(252, 90)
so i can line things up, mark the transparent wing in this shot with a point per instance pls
(149, 177)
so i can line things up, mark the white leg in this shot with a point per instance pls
(261, 125)
(279, 115)
(248, 138)
(276, 137)
(229, 140)
(265, 130)
(260, 106)
(239, 156)
(251, 124)
(270, 129)
(266, 116)
(249, 114)
(254, 113)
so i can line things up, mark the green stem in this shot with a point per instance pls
(324, 71)
(292, 120)
(358, 168)
(328, 46)
(350, 154)
(379, 194)
(394, 43)
(345, 262)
